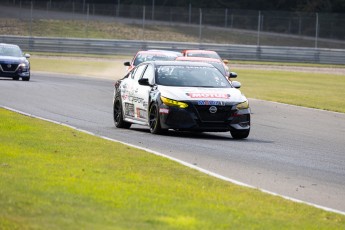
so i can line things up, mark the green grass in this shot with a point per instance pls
(53, 177)
(303, 89)
(135, 31)
(292, 64)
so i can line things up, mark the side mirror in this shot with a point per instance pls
(144, 81)
(127, 63)
(232, 75)
(236, 84)
(27, 55)
(225, 61)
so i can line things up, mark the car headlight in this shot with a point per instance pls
(243, 105)
(24, 66)
(170, 102)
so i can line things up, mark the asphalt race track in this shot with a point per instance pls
(293, 151)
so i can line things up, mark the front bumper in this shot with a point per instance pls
(199, 118)
(14, 71)
(13, 75)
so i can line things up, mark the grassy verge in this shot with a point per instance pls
(53, 177)
(291, 64)
(303, 89)
(132, 31)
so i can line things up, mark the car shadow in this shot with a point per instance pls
(7, 79)
(217, 136)
(10, 79)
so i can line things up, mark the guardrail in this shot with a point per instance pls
(130, 47)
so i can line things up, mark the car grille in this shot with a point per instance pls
(9, 67)
(222, 114)
(180, 118)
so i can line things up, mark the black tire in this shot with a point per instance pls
(118, 117)
(240, 134)
(154, 121)
(16, 78)
(26, 78)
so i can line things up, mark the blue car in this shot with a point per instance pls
(13, 63)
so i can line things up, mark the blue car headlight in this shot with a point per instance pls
(24, 67)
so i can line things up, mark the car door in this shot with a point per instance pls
(142, 94)
(129, 94)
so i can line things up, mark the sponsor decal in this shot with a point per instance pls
(209, 95)
(141, 113)
(136, 99)
(163, 111)
(211, 103)
(129, 109)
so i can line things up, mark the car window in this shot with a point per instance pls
(10, 50)
(138, 72)
(150, 74)
(138, 59)
(219, 66)
(191, 76)
(153, 57)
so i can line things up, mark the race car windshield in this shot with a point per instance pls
(219, 66)
(191, 76)
(11, 51)
(152, 57)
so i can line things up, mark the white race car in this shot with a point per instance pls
(180, 95)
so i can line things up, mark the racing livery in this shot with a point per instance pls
(181, 95)
(13, 64)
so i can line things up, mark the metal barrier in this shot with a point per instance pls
(130, 47)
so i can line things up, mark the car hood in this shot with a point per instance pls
(230, 95)
(12, 60)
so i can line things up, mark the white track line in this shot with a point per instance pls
(181, 162)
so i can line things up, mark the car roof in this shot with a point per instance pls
(200, 51)
(201, 59)
(8, 45)
(157, 52)
(180, 63)
(166, 51)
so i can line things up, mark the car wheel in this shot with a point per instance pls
(154, 122)
(26, 78)
(118, 117)
(240, 134)
(16, 78)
